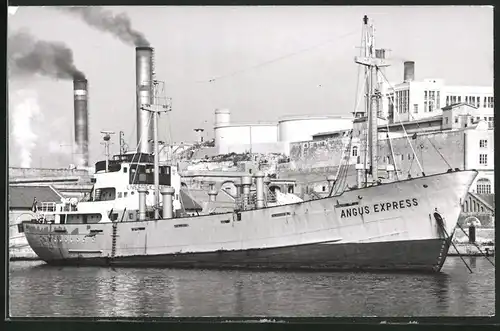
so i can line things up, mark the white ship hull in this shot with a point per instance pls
(390, 226)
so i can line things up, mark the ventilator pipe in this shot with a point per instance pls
(142, 203)
(167, 196)
(360, 171)
(259, 185)
(238, 194)
(246, 182)
(390, 171)
(212, 195)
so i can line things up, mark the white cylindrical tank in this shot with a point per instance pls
(239, 138)
(222, 117)
(302, 128)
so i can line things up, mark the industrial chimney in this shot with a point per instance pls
(144, 89)
(409, 71)
(81, 121)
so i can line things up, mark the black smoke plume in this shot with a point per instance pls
(119, 25)
(28, 56)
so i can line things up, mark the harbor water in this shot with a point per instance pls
(39, 290)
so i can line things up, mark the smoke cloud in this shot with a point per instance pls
(25, 109)
(105, 20)
(28, 56)
(69, 151)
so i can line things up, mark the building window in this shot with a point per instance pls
(483, 159)
(456, 119)
(355, 151)
(483, 143)
(425, 106)
(425, 95)
(478, 101)
(484, 102)
(446, 120)
(438, 100)
(490, 102)
(483, 186)
(119, 194)
(467, 99)
(459, 99)
(447, 100)
(415, 108)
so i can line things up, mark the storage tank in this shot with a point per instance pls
(239, 138)
(302, 128)
(222, 117)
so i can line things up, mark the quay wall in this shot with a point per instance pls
(427, 147)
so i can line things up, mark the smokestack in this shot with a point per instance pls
(409, 71)
(81, 121)
(144, 88)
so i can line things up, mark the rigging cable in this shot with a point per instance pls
(418, 126)
(341, 173)
(283, 57)
(402, 125)
(437, 150)
(392, 150)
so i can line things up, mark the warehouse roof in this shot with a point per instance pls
(22, 196)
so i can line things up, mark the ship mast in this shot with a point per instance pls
(156, 108)
(372, 65)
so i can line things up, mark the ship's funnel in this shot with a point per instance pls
(409, 71)
(81, 117)
(144, 93)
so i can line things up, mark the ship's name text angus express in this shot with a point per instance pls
(379, 207)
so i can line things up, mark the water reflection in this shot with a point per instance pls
(72, 291)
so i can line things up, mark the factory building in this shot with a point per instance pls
(271, 137)
(414, 100)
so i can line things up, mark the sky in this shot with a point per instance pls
(262, 63)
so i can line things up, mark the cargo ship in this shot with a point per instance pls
(379, 224)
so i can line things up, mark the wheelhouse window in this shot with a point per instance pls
(105, 194)
(144, 174)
